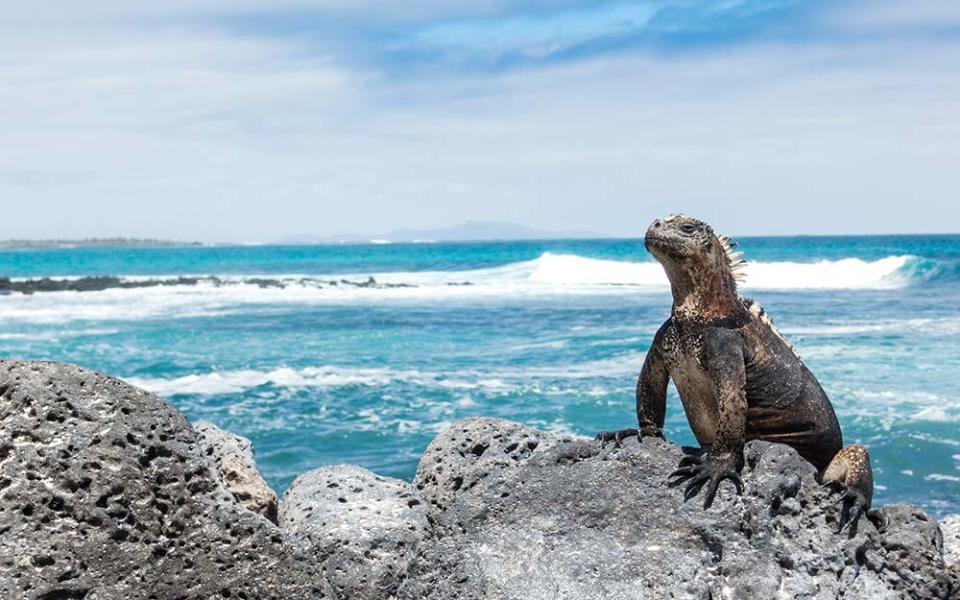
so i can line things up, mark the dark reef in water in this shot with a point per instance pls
(107, 492)
(86, 284)
(106, 282)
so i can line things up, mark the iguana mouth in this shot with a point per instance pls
(654, 241)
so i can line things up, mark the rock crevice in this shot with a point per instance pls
(232, 458)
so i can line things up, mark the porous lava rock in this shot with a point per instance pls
(582, 521)
(366, 529)
(107, 493)
(104, 494)
(232, 455)
(473, 450)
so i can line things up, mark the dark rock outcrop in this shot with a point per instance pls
(232, 455)
(87, 284)
(578, 521)
(365, 529)
(470, 451)
(104, 495)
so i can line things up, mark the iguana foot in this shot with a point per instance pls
(707, 470)
(853, 505)
(850, 472)
(617, 437)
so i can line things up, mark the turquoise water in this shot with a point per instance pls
(548, 333)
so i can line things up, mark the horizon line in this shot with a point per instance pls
(151, 242)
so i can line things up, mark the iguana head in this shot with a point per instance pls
(702, 266)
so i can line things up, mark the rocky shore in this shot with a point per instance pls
(107, 492)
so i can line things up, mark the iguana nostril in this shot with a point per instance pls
(656, 224)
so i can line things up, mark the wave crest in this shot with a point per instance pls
(549, 275)
(847, 273)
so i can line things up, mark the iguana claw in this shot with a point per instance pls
(618, 436)
(853, 506)
(709, 470)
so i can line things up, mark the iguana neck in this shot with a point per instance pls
(703, 295)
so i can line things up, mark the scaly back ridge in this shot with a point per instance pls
(734, 257)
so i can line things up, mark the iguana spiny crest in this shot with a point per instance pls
(691, 251)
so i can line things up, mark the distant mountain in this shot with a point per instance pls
(465, 232)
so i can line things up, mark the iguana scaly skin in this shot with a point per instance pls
(738, 378)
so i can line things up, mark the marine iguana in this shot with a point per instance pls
(737, 376)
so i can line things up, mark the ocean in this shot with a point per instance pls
(298, 349)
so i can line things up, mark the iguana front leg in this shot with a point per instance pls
(722, 357)
(651, 396)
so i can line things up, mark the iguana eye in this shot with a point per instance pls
(688, 228)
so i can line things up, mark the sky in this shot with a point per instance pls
(253, 120)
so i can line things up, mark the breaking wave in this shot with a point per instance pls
(58, 300)
(848, 273)
(548, 270)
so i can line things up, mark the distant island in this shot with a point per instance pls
(92, 243)
(470, 231)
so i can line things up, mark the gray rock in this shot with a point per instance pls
(950, 526)
(365, 529)
(232, 455)
(469, 451)
(104, 495)
(106, 492)
(580, 522)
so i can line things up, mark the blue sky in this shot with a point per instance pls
(253, 120)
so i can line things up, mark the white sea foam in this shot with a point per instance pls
(926, 326)
(941, 477)
(936, 414)
(119, 304)
(543, 380)
(567, 269)
(25, 336)
(49, 336)
(551, 345)
(547, 276)
(848, 273)
(233, 382)
(886, 407)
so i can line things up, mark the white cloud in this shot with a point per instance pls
(894, 14)
(198, 133)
